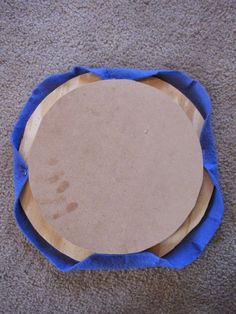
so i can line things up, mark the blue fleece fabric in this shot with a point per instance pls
(193, 245)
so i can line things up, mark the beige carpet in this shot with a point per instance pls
(42, 37)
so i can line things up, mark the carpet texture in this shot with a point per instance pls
(42, 37)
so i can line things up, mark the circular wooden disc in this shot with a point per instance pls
(30, 206)
(110, 166)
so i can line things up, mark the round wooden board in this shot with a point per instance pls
(92, 177)
(30, 206)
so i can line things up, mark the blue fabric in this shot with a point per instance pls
(193, 245)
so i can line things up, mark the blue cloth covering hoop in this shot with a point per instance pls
(193, 244)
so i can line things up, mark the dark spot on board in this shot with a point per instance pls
(54, 178)
(63, 186)
(55, 216)
(52, 161)
(71, 206)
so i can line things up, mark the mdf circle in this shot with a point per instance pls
(115, 166)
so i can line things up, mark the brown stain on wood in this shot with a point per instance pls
(71, 207)
(55, 216)
(63, 186)
(55, 177)
(52, 161)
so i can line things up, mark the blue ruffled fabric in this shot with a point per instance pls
(193, 245)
